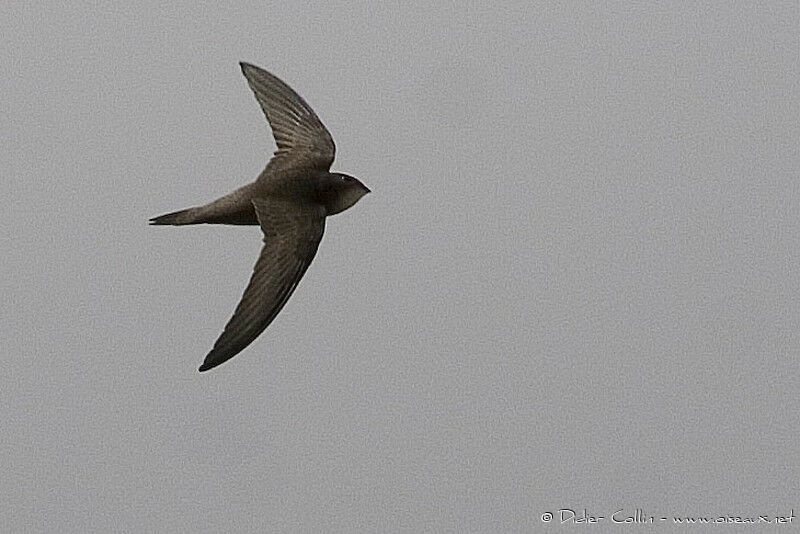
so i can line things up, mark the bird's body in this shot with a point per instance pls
(289, 200)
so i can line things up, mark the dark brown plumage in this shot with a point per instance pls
(289, 200)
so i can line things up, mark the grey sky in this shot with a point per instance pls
(573, 286)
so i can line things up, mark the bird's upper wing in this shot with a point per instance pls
(302, 139)
(292, 233)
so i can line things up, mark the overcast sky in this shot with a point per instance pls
(575, 284)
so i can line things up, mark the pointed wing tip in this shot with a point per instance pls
(214, 359)
(209, 363)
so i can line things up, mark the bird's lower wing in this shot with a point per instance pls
(292, 233)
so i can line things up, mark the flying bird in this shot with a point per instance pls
(290, 200)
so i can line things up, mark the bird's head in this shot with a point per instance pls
(339, 191)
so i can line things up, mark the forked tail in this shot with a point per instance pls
(233, 208)
(187, 216)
